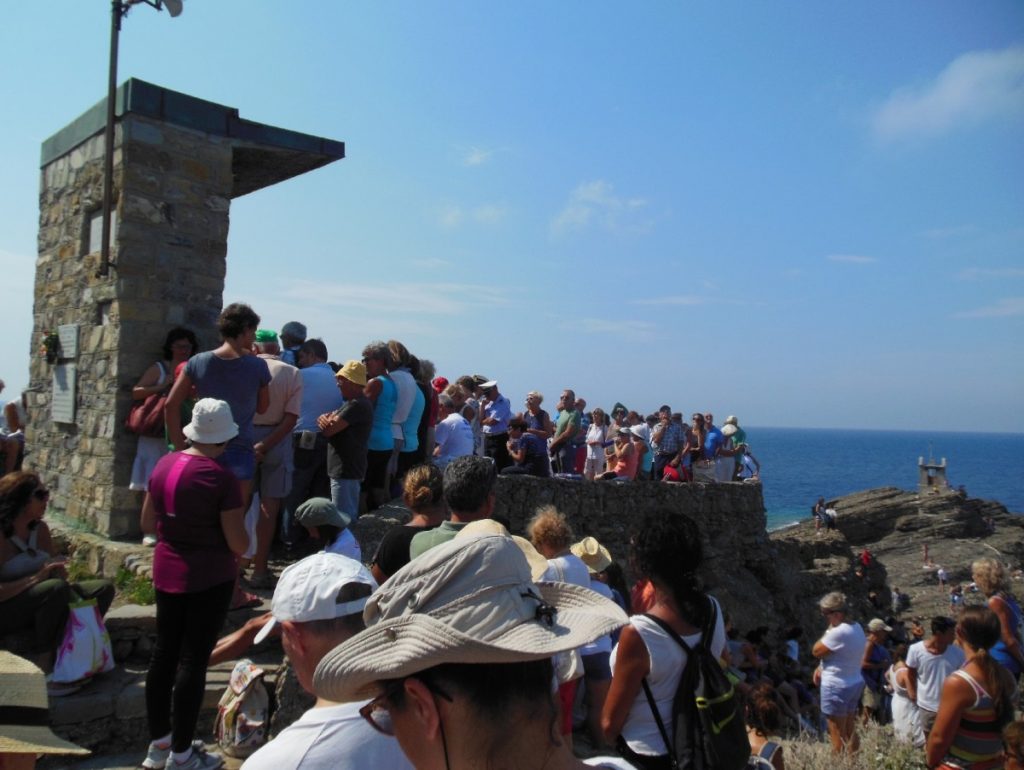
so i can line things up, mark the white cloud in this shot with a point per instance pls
(403, 299)
(595, 202)
(451, 216)
(982, 273)
(851, 259)
(477, 156)
(489, 213)
(974, 88)
(631, 330)
(681, 299)
(430, 263)
(1003, 308)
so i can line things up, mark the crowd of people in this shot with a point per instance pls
(466, 643)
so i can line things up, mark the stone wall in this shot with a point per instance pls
(172, 191)
(752, 577)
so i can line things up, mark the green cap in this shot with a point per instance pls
(266, 335)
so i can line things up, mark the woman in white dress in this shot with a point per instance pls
(906, 719)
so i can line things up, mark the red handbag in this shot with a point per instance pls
(146, 417)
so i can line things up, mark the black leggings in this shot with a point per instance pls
(187, 626)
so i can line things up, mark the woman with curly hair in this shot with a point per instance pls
(991, 579)
(551, 535)
(977, 700)
(666, 551)
(34, 591)
(764, 717)
(423, 494)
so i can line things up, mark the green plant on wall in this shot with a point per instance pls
(136, 589)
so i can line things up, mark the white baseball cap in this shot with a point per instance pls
(308, 590)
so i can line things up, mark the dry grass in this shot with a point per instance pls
(879, 750)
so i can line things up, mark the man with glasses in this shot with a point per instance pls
(929, 663)
(318, 604)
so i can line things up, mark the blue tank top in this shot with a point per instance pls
(999, 651)
(381, 439)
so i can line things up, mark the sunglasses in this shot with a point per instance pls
(42, 494)
(378, 713)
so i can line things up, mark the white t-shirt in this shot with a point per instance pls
(454, 436)
(567, 569)
(595, 433)
(612, 763)
(932, 671)
(668, 660)
(345, 544)
(842, 667)
(329, 738)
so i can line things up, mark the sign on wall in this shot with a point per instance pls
(62, 402)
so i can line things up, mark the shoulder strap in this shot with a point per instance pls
(670, 631)
(657, 719)
(18, 543)
(768, 750)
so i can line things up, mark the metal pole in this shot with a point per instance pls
(116, 11)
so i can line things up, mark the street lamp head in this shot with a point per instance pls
(173, 7)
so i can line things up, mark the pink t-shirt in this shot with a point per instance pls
(189, 492)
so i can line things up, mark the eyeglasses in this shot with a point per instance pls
(378, 713)
(41, 493)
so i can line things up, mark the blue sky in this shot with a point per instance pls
(804, 214)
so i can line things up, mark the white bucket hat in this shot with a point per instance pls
(308, 590)
(470, 600)
(24, 724)
(212, 422)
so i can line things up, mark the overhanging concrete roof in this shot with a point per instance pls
(263, 155)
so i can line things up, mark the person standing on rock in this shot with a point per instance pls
(929, 663)
(840, 651)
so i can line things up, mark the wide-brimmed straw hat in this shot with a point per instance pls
(592, 553)
(212, 422)
(470, 600)
(24, 711)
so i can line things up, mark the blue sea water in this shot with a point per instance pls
(799, 465)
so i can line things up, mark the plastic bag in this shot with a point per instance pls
(85, 650)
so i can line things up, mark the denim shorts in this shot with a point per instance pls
(840, 700)
(240, 461)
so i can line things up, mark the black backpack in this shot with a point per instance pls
(707, 718)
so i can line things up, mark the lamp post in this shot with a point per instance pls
(118, 10)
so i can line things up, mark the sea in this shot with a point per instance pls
(799, 465)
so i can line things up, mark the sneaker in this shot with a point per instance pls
(156, 757)
(199, 759)
(149, 541)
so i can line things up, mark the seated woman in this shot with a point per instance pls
(457, 658)
(34, 592)
(326, 523)
(624, 459)
(763, 721)
(528, 452)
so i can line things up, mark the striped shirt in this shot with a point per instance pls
(978, 743)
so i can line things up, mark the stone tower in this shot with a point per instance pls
(178, 163)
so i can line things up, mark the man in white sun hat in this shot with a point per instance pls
(318, 604)
(25, 716)
(457, 657)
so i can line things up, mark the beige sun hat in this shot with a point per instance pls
(538, 564)
(470, 600)
(592, 553)
(24, 711)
